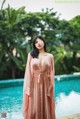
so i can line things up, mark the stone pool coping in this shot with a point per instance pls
(19, 82)
(58, 77)
(74, 116)
(67, 77)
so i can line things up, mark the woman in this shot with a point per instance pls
(38, 91)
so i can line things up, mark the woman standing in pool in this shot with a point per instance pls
(38, 89)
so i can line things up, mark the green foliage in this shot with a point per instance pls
(17, 30)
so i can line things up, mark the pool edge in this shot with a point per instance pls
(73, 116)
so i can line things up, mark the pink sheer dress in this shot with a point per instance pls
(38, 88)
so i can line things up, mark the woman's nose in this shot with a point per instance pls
(38, 43)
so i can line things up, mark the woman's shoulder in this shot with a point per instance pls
(50, 55)
(29, 55)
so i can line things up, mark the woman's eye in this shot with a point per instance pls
(36, 42)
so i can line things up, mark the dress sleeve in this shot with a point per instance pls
(27, 75)
(52, 70)
(51, 74)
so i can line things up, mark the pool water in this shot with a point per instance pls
(67, 99)
(11, 102)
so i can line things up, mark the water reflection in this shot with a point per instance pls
(67, 86)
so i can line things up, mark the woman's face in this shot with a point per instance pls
(39, 44)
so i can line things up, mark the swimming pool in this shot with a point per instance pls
(67, 96)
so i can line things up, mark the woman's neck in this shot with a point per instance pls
(41, 51)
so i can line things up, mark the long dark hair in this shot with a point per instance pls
(34, 53)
